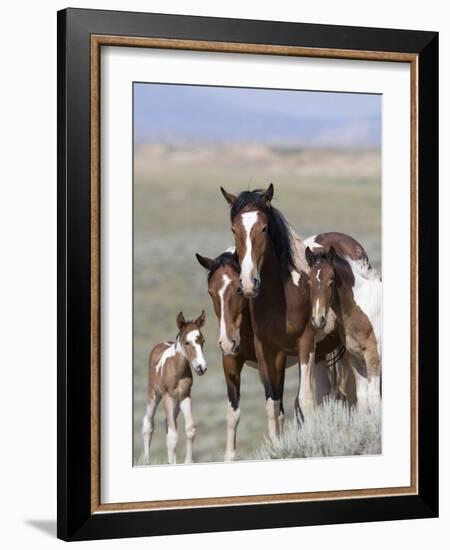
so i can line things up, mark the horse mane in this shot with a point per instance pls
(342, 267)
(278, 227)
(225, 259)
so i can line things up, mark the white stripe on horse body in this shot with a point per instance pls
(295, 275)
(167, 354)
(311, 243)
(367, 292)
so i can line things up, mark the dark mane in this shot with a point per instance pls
(225, 259)
(341, 267)
(278, 227)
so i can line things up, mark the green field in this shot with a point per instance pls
(178, 211)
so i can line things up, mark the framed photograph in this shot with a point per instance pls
(247, 255)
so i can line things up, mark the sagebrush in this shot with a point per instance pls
(333, 429)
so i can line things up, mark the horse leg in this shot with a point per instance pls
(345, 381)
(304, 403)
(190, 428)
(171, 409)
(148, 423)
(361, 383)
(281, 371)
(373, 377)
(232, 366)
(323, 380)
(347, 385)
(268, 373)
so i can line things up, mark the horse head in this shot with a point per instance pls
(257, 226)
(322, 280)
(227, 298)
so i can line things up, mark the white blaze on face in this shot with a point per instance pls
(247, 267)
(198, 363)
(317, 299)
(223, 337)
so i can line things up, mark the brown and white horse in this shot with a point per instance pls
(170, 379)
(236, 341)
(352, 291)
(279, 303)
(235, 333)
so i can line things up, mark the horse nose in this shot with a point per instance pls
(201, 369)
(322, 321)
(223, 345)
(235, 345)
(250, 291)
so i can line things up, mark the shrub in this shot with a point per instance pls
(332, 430)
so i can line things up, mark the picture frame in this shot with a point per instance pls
(81, 36)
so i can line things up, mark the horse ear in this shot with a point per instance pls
(180, 320)
(205, 262)
(309, 255)
(268, 193)
(331, 254)
(228, 196)
(200, 321)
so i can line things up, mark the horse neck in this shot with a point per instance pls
(343, 302)
(182, 365)
(246, 328)
(271, 270)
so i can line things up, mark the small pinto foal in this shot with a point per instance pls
(170, 379)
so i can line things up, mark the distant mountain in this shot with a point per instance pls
(185, 114)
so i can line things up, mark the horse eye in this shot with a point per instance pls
(331, 283)
(233, 231)
(264, 229)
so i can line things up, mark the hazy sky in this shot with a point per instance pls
(201, 113)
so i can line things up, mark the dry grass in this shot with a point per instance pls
(178, 211)
(333, 429)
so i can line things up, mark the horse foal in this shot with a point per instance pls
(353, 292)
(170, 380)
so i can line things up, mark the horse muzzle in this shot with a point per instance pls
(200, 369)
(319, 321)
(229, 346)
(250, 289)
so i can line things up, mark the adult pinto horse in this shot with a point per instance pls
(279, 303)
(235, 333)
(236, 339)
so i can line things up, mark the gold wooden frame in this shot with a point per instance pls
(97, 41)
